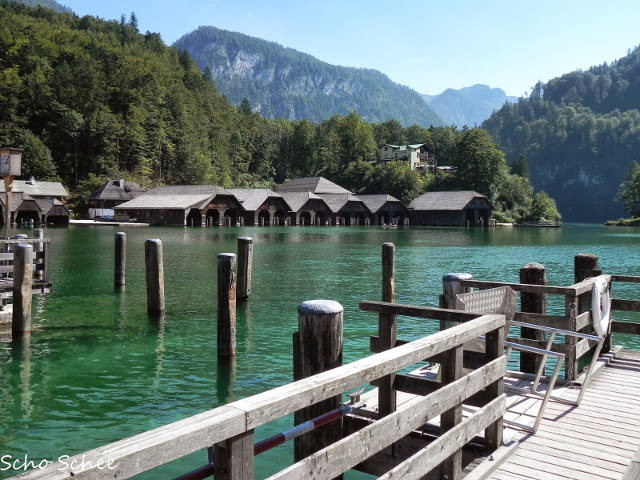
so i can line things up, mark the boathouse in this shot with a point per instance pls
(261, 206)
(37, 202)
(306, 208)
(184, 205)
(111, 194)
(451, 209)
(317, 185)
(346, 209)
(385, 209)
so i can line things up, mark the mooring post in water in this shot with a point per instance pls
(38, 246)
(155, 276)
(245, 260)
(450, 288)
(22, 289)
(387, 329)
(317, 348)
(120, 259)
(532, 274)
(227, 280)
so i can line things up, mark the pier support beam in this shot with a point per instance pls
(245, 261)
(22, 289)
(120, 259)
(227, 283)
(155, 276)
(387, 329)
(534, 274)
(317, 348)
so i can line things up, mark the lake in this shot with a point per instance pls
(96, 369)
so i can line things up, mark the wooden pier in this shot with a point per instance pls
(450, 405)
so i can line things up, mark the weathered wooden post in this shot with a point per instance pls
(155, 276)
(22, 289)
(450, 288)
(38, 247)
(387, 329)
(227, 283)
(120, 259)
(451, 370)
(245, 260)
(532, 274)
(493, 434)
(319, 349)
(585, 265)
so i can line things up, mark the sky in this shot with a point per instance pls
(428, 45)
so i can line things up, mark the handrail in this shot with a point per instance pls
(150, 449)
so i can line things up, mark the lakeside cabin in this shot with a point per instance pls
(261, 206)
(111, 194)
(451, 209)
(385, 209)
(36, 202)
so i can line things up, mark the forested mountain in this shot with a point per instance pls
(52, 4)
(468, 106)
(579, 133)
(281, 82)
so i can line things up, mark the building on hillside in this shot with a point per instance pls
(418, 156)
(111, 194)
(317, 185)
(184, 205)
(36, 202)
(385, 210)
(261, 206)
(346, 209)
(306, 209)
(451, 209)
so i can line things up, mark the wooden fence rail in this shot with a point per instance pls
(234, 423)
(41, 247)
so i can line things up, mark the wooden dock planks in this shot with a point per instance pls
(597, 440)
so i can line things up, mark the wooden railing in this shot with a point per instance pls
(631, 328)
(41, 247)
(231, 427)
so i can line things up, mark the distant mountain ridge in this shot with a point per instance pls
(281, 82)
(468, 106)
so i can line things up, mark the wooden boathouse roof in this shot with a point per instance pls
(119, 190)
(252, 198)
(337, 201)
(297, 200)
(175, 197)
(316, 185)
(376, 202)
(36, 188)
(444, 200)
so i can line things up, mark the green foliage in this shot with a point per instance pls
(397, 180)
(543, 209)
(579, 133)
(629, 193)
(520, 167)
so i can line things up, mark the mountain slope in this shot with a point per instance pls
(52, 4)
(468, 106)
(284, 83)
(579, 133)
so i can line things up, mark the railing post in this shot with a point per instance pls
(451, 369)
(532, 274)
(450, 288)
(245, 260)
(387, 329)
(120, 259)
(233, 458)
(319, 349)
(227, 283)
(22, 289)
(155, 276)
(585, 265)
(494, 341)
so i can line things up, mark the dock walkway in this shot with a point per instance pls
(599, 440)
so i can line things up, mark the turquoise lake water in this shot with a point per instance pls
(96, 369)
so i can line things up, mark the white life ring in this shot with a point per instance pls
(601, 305)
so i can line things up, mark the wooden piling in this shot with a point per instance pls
(245, 261)
(22, 289)
(533, 274)
(155, 276)
(120, 259)
(227, 283)
(38, 246)
(583, 266)
(450, 288)
(387, 329)
(319, 350)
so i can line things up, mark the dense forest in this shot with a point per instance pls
(579, 133)
(285, 83)
(89, 99)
